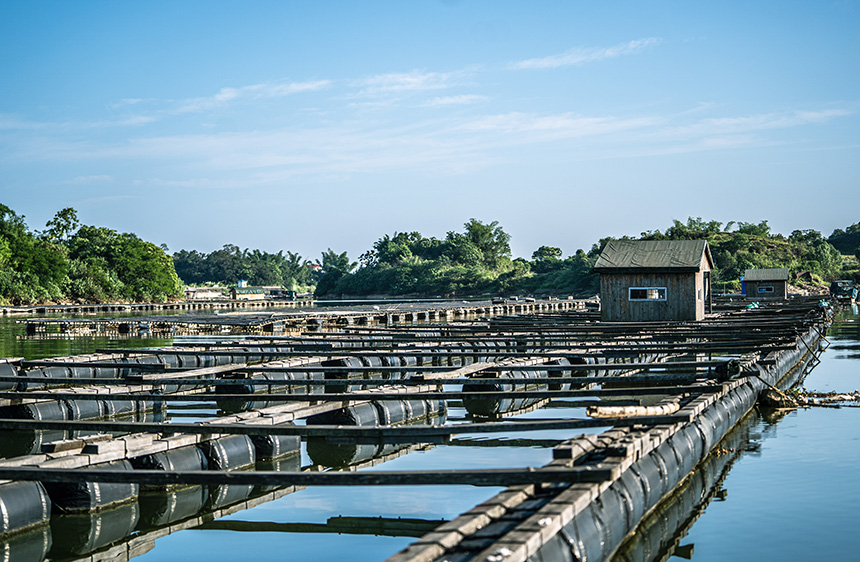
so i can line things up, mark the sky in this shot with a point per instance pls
(307, 125)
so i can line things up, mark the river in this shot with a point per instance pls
(789, 491)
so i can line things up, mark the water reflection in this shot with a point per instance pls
(660, 534)
(791, 493)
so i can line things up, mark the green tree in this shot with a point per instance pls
(491, 240)
(546, 253)
(63, 225)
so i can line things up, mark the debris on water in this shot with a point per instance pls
(771, 398)
(829, 399)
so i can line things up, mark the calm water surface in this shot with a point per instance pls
(793, 494)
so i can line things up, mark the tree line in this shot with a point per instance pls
(70, 262)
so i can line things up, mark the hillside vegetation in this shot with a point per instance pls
(477, 261)
(69, 262)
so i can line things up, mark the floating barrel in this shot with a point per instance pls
(336, 387)
(369, 415)
(50, 410)
(229, 452)
(392, 411)
(76, 497)
(80, 534)
(270, 383)
(561, 373)
(362, 414)
(257, 383)
(408, 361)
(496, 406)
(117, 408)
(163, 508)
(181, 459)
(84, 409)
(169, 359)
(371, 361)
(8, 370)
(23, 505)
(274, 446)
(41, 373)
(334, 455)
(189, 361)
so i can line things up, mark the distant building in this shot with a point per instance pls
(258, 293)
(247, 293)
(654, 280)
(766, 284)
(204, 293)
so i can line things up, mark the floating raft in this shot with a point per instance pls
(112, 308)
(267, 322)
(95, 451)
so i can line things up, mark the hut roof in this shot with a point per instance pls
(779, 274)
(653, 255)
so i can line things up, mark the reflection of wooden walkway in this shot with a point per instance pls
(287, 322)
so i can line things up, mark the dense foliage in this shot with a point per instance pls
(230, 264)
(846, 241)
(69, 262)
(805, 253)
(477, 261)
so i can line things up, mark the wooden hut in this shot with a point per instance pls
(654, 280)
(766, 284)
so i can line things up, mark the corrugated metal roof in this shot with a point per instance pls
(653, 254)
(779, 274)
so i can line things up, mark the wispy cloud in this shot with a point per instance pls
(463, 99)
(758, 122)
(548, 127)
(399, 82)
(255, 91)
(83, 180)
(578, 56)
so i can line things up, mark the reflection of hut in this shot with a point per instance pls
(654, 280)
(763, 284)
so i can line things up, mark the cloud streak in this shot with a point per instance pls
(253, 92)
(400, 82)
(580, 56)
(445, 101)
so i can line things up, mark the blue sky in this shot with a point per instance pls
(307, 125)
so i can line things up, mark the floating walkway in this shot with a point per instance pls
(316, 319)
(93, 445)
(114, 308)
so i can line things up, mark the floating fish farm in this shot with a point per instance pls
(98, 461)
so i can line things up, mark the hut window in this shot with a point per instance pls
(765, 289)
(646, 293)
